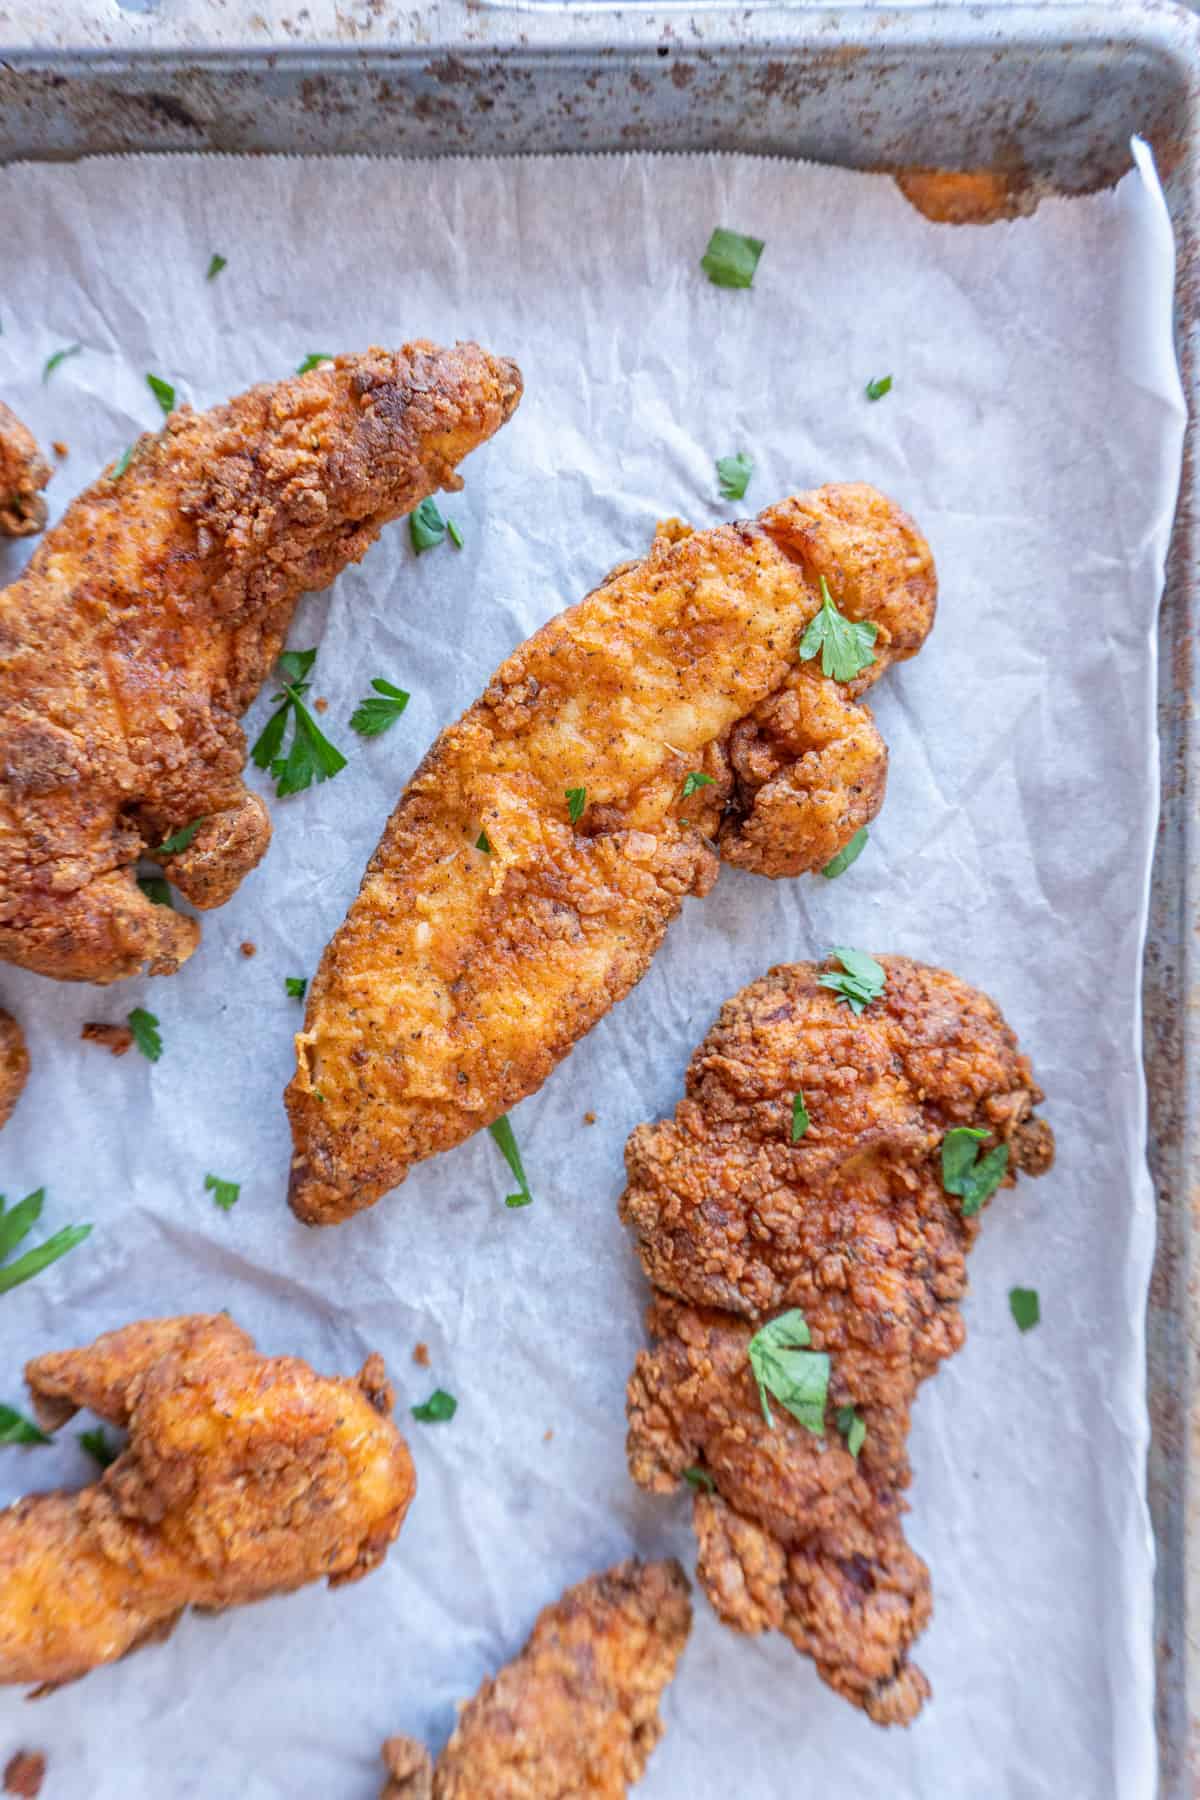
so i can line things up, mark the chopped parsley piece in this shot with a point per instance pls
(439, 1407)
(576, 803)
(15, 1428)
(157, 889)
(693, 780)
(59, 356)
(849, 853)
(215, 264)
(731, 259)
(180, 840)
(845, 644)
(733, 473)
(800, 1118)
(1025, 1307)
(965, 1173)
(98, 1446)
(123, 461)
(863, 979)
(296, 986)
(456, 536)
(311, 756)
(881, 385)
(163, 392)
(483, 842)
(372, 716)
(701, 1480)
(144, 1027)
(502, 1131)
(224, 1193)
(426, 526)
(853, 1428)
(785, 1366)
(15, 1226)
(312, 361)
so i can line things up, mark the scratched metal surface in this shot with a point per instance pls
(1045, 95)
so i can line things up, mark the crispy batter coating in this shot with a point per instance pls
(735, 1224)
(24, 471)
(576, 1713)
(244, 1476)
(462, 976)
(14, 1065)
(149, 617)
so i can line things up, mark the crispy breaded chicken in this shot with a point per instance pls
(470, 964)
(14, 1065)
(736, 1224)
(148, 618)
(576, 1713)
(245, 1475)
(24, 471)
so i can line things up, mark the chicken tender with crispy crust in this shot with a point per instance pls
(14, 1065)
(244, 1476)
(24, 472)
(576, 1713)
(493, 929)
(851, 1224)
(148, 618)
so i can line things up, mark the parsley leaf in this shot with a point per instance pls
(163, 392)
(15, 1226)
(15, 1428)
(731, 259)
(845, 645)
(296, 986)
(123, 461)
(311, 756)
(215, 265)
(312, 361)
(881, 385)
(863, 981)
(483, 842)
(180, 840)
(439, 1407)
(853, 1428)
(297, 664)
(784, 1366)
(144, 1027)
(456, 536)
(733, 473)
(693, 780)
(701, 1480)
(849, 853)
(224, 1193)
(502, 1131)
(800, 1118)
(426, 526)
(59, 356)
(98, 1446)
(576, 803)
(1025, 1307)
(373, 715)
(157, 889)
(967, 1174)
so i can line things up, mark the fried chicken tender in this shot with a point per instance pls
(14, 1065)
(245, 1475)
(149, 617)
(735, 1224)
(467, 968)
(24, 471)
(576, 1714)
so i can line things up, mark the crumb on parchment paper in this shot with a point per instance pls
(421, 1355)
(116, 1038)
(589, 1118)
(59, 448)
(249, 949)
(548, 1434)
(322, 705)
(24, 1773)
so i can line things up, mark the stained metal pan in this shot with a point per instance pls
(1034, 100)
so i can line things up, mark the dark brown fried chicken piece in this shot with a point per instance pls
(14, 1065)
(851, 1225)
(245, 1475)
(576, 1713)
(24, 471)
(149, 617)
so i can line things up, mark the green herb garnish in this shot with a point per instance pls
(456, 536)
(694, 780)
(311, 756)
(426, 526)
(296, 985)
(224, 1193)
(215, 265)
(378, 711)
(701, 1480)
(576, 803)
(483, 842)
(849, 853)
(144, 1027)
(163, 392)
(881, 385)
(1025, 1307)
(15, 1226)
(502, 1131)
(731, 259)
(733, 473)
(156, 888)
(853, 1428)
(98, 1446)
(312, 361)
(15, 1428)
(800, 1118)
(180, 840)
(123, 461)
(965, 1173)
(845, 644)
(439, 1407)
(784, 1366)
(59, 356)
(863, 979)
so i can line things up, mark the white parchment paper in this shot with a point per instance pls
(1034, 431)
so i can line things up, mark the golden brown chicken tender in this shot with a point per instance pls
(737, 1224)
(24, 471)
(148, 618)
(493, 928)
(14, 1065)
(245, 1475)
(576, 1713)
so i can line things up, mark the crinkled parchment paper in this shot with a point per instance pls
(1034, 431)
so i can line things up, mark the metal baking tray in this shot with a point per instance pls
(1033, 99)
